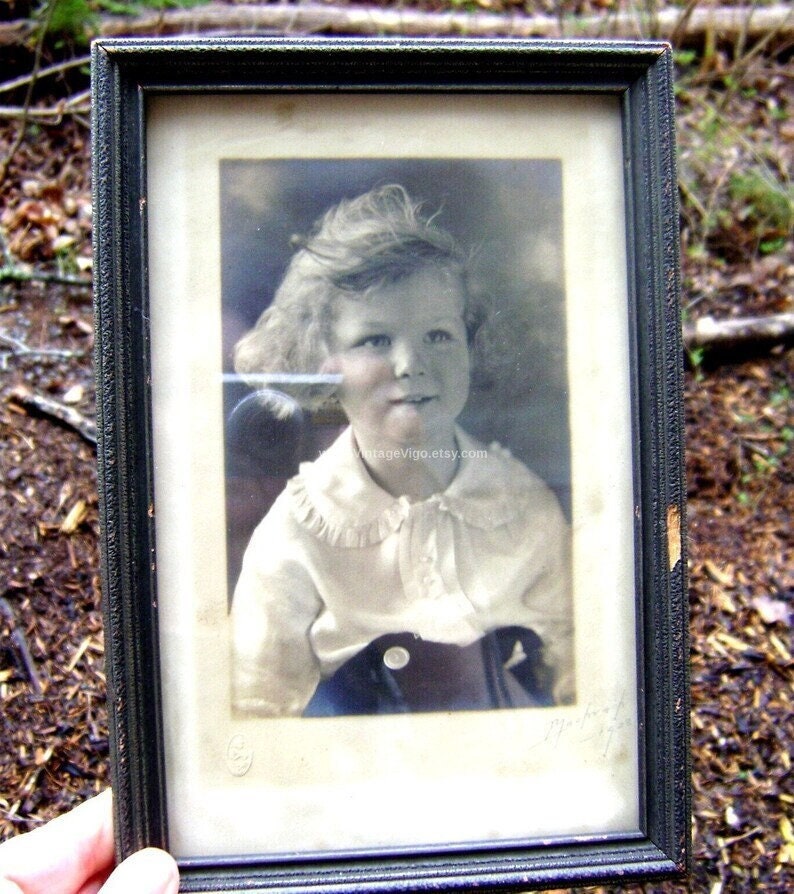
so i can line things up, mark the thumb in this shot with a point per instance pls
(150, 871)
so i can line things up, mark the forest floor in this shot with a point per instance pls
(737, 261)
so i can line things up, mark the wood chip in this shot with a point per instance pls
(74, 518)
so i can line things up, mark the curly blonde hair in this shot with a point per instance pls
(358, 245)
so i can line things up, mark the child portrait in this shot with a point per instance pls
(396, 436)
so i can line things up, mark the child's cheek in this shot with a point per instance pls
(365, 371)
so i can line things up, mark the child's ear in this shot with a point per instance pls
(473, 320)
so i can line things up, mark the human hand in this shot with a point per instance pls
(73, 854)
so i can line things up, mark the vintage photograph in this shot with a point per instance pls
(397, 446)
(393, 475)
(389, 461)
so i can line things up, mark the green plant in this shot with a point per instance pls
(66, 256)
(764, 204)
(69, 18)
(781, 397)
(763, 444)
(735, 198)
(685, 58)
(76, 21)
(696, 356)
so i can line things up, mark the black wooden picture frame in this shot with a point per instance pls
(130, 78)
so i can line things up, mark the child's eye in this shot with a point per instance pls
(374, 341)
(438, 335)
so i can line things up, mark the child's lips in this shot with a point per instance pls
(416, 400)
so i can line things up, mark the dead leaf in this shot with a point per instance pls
(717, 574)
(73, 395)
(732, 817)
(771, 610)
(786, 853)
(780, 648)
(73, 518)
(732, 642)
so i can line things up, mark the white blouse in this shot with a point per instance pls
(338, 562)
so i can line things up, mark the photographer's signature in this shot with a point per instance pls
(597, 724)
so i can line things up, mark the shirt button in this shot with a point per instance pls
(396, 657)
(426, 560)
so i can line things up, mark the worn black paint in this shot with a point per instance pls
(640, 73)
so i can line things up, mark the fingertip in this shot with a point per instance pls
(150, 871)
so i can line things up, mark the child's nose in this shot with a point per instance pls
(407, 360)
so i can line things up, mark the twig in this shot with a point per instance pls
(24, 80)
(79, 104)
(20, 348)
(713, 198)
(743, 60)
(692, 198)
(681, 25)
(18, 639)
(29, 94)
(651, 18)
(47, 115)
(11, 816)
(756, 831)
(779, 33)
(11, 273)
(85, 427)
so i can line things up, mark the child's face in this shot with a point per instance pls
(403, 356)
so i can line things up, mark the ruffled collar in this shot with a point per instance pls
(335, 498)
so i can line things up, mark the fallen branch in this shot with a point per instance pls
(723, 23)
(56, 410)
(708, 332)
(690, 25)
(19, 348)
(18, 640)
(10, 273)
(79, 104)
